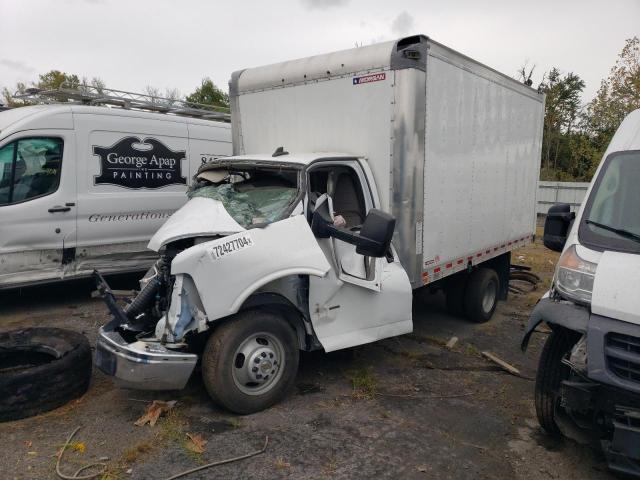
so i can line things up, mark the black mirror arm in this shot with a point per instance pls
(350, 237)
(564, 216)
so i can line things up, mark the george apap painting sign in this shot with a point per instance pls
(139, 163)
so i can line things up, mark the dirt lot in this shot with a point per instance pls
(402, 408)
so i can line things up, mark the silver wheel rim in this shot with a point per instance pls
(489, 297)
(258, 364)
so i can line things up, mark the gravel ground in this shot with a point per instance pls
(404, 407)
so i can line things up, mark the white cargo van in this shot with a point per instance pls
(588, 383)
(404, 164)
(85, 187)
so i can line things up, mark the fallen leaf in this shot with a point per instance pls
(157, 408)
(78, 447)
(195, 443)
(28, 443)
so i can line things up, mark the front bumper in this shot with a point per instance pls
(618, 414)
(142, 365)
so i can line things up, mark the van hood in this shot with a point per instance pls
(198, 217)
(615, 288)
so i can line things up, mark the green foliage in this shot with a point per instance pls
(54, 79)
(208, 94)
(575, 138)
(561, 110)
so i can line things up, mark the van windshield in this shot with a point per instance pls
(250, 196)
(611, 220)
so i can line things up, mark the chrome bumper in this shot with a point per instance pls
(142, 365)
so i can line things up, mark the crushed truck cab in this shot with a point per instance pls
(246, 242)
(356, 177)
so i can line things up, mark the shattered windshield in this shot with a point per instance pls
(250, 196)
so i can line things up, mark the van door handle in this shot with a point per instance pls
(58, 208)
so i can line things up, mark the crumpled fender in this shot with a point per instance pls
(228, 270)
(563, 313)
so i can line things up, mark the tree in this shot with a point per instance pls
(619, 94)
(207, 93)
(562, 107)
(525, 73)
(54, 79)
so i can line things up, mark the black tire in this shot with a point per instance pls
(482, 282)
(550, 374)
(219, 360)
(41, 369)
(454, 292)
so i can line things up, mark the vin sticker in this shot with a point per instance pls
(231, 246)
(376, 77)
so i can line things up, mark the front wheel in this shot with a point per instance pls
(551, 373)
(250, 362)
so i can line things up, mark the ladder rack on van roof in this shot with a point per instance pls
(90, 95)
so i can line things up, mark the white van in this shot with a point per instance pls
(588, 384)
(84, 188)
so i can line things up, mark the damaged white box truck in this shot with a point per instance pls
(404, 164)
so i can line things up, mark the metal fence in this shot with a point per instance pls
(550, 193)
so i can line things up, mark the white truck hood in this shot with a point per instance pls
(199, 217)
(616, 288)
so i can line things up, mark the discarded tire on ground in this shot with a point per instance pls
(41, 369)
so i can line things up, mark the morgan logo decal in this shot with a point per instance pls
(139, 163)
(376, 77)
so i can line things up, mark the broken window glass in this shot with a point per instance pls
(247, 202)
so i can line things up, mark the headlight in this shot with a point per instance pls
(574, 277)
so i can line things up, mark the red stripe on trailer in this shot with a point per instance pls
(479, 254)
(436, 270)
(449, 265)
(460, 261)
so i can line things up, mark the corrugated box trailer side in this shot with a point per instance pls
(454, 146)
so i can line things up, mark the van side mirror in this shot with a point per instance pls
(556, 226)
(374, 238)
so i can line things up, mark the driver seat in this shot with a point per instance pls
(347, 200)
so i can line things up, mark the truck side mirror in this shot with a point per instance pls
(377, 230)
(374, 238)
(556, 226)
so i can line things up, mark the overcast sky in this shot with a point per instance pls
(174, 44)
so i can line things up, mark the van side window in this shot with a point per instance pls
(29, 168)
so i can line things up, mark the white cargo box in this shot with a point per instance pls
(454, 145)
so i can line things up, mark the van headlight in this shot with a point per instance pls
(574, 277)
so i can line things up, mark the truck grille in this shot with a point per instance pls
(623, 356)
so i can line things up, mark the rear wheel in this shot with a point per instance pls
(250, 362)
(481, 295)
(551, 373)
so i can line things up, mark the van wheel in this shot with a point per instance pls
(551, 373)
(250, 362)
(454, 292)
(481, 295)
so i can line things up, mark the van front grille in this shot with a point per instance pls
(623, 356)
